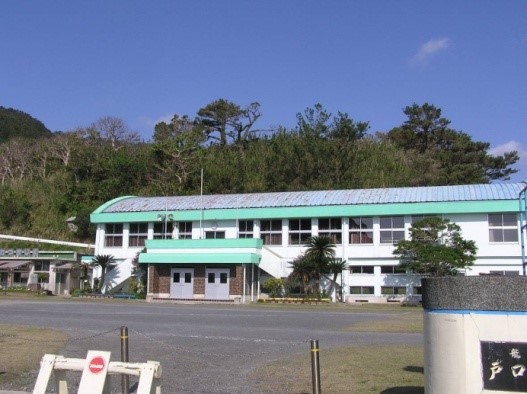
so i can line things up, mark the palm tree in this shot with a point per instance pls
(303, 271)
(335, 267)
(320, 251)
(106, 262)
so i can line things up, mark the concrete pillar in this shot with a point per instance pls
(475, 334)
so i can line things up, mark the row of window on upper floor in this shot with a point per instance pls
(391, 229)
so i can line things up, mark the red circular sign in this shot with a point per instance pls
(96, 364)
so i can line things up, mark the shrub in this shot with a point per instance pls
(76, 292)
(274, 286)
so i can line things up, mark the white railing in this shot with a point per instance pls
(96, 368)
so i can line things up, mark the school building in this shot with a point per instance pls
(223, 247)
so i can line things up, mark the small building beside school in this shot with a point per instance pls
(57, 272)
(223, 247)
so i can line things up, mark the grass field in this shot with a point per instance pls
(355, 370)
(364, 369)
(21, 349)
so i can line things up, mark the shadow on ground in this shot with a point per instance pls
(407, 389)
(412, 368)
(404, 390)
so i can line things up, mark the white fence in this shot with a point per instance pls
(96, 369)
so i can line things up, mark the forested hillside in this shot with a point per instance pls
(18, 124)
(46, 180)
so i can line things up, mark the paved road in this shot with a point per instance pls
(202, 348)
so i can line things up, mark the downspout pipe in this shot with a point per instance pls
(523, 225)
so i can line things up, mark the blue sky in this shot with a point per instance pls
(68, 63)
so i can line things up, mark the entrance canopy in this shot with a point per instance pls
(202, 251)
(13, 264)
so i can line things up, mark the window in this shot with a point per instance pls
(177, 277)
(361, 230)
(138, 234)
(392, 229)
(245, 229)
(299, 231)
(361, 269)
(271, 232)
(418, 218)
(160, 232)
(362, 290)
(393, 290)
(41, 266)
(223, 277)
(331, 228)
(503, 227)
(113, 236)
(504, 273)
(392, 269)
(20, 278)
(418, 290)
(211, 277)
(214, 234)
(185, 230)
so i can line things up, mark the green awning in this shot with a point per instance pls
(199, 258)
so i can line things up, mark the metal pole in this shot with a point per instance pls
(125, 379)
(315, 366)
(523, 226)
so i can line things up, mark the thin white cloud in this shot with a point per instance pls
(165, 118)
(150, 123)
(509, 146)
(429, 49)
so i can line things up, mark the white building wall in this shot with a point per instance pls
(276, 258)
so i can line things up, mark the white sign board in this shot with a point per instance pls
(94, 373)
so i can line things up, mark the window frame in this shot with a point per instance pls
(113, 235)
(362, 269)
(417, 290)
(332, 232)
(364, 233)
(186, 233)
(41, 266)
(301, 233)
(245, 228)
(417, 218)
(502, 228)
(394, 270)
(160, 232)
(504, 273)
(392, 230)
(215, 234)
(271, 235)
(137, 234)
(395, 291)
(370, 290)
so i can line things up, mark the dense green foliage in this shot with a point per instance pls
(435, 248)
(317, 260)
(18, 124)
(453, 157)
(44, 181)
